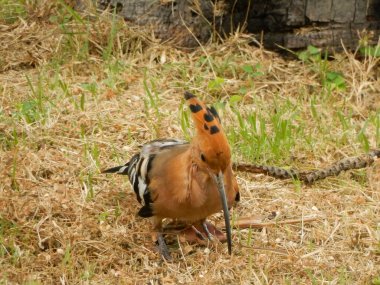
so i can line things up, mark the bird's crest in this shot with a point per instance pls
(210, 138)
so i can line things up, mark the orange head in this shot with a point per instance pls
(210, 145)
(210, 150)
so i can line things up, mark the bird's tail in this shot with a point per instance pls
(122, 169)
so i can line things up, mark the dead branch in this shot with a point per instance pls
(249, 222)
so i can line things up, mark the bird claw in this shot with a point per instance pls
(200, 232)
(200, 235)
(163, 248)
(205, 227)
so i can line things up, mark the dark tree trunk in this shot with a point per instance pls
(289, 23)
(325, 23)
(181, 22)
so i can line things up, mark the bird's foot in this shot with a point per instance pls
(200, 232)
(213, 232)
(163, 248)
(205, 228)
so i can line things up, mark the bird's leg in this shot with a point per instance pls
(198, 232)
(163, 248)
(205, 228)
(212, 232)
(161, 244)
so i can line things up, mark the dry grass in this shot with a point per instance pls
(83, 95)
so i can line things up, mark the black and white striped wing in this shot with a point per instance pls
(139, 167)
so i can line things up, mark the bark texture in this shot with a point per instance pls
(182, 22)
(323, 23)
(289, 23)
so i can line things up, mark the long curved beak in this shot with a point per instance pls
(220, 184)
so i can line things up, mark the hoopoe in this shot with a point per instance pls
(185, 181)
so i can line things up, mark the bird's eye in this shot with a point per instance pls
(203, 157)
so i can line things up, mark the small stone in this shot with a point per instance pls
(60, 251)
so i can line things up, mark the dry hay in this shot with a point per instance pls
(52, 232)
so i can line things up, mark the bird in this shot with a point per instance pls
(185, 181)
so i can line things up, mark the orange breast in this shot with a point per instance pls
(181, 190)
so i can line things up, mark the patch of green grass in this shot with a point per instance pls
(216, 85)
(334, 80)
(152, 101)
(32, 282)
(107, 52)
(10, 140)
(75, 31)
(88, 272)
(11, 11)
(312, 53)
(266, 137)
(91, 158)
(67, 258)
(368, 134)
(184, 119)
(344, 276)
(9, 250)
(369, 50)
(253, 71)
(312, 276)
(224, 67)
(87, 184)
(376, 281)
(103, 216)
(36, 107)
(82, 39)
(330, 79)
(29, 111)
(375, 123)
(91, 87)
(115, 74)
(64, 86)
(6, 226)
(363, 139)
(13, 173)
